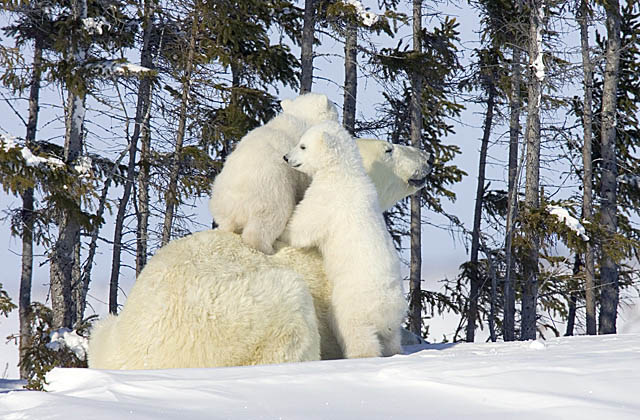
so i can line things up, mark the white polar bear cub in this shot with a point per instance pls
(256, 191)
(340, 215)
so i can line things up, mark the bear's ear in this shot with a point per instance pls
(286, 105)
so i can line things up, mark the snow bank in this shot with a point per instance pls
(584, 378)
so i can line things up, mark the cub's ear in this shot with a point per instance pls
(287, 105)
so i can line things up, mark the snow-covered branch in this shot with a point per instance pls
(118, 68)
(9, 143)
(95, 25)
(66, 338)
(368, 18)
(571, 222)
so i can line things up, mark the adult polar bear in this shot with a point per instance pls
(209, 300)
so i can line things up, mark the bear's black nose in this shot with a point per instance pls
(285, 158)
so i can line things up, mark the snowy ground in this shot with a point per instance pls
(565, 378)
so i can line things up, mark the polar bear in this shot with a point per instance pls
(256, 192)
(340, 215)
(225, 280)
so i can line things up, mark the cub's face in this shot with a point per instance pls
(309, 154)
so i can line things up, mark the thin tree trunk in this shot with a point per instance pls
(27, 219)
(573, 297)
(514, 139)
(609, 293)
(532, 189)
(587, 178)
(142, 211)
(415, 275)
(142, 110)
(172, 193)
(472, 313)
(306, 59)
(63, 253)
(350, 77)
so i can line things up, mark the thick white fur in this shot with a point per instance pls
(198, 304)
(256, 191)
(340, 215)
(220, 324)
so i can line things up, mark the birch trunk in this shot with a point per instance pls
(609, 293)
(142, 110)
(415, 274)
(350, 77)
(587, 178)
(172, 193)
(142, 210)
(306, 56)
(532, 188)
(472, 313)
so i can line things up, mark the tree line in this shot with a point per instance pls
(142, 141)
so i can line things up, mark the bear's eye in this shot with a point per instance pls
(302, 146)
(389, 150)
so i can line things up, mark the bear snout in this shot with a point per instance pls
(286, 159)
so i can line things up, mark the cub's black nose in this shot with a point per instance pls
(285, 158)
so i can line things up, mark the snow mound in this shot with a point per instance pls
(574, 377)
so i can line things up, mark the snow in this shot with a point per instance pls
(95, 25)
(64, 337)
(83, 166)
(9, 143)
(571, 222)
(565, 378)
(116, 67)
(368, 18)
(632, 180)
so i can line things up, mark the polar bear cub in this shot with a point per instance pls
(255, 192)
(340, 215)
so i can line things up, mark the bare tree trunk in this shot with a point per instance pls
(609, 293)
(172, 189)
(142, 211)
(415, 275)
(63, 253)
(573, 297)
(472, 312)
(532, 189)
(350, 77)
(142, 110)
(27, 220)
(587, 178)
(306, 59)
(514, 139)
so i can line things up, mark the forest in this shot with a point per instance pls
(118, 114)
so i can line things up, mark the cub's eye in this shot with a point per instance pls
(302, 146)
(389, 150)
